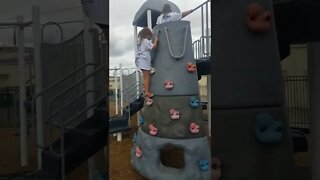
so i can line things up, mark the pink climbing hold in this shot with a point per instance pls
(153, 130)
(138, 152)
(194, 128)
(174, 114)
(168, 84)
(149, 101)
(191, 67)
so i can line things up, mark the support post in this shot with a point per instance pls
(36, 31)
(314, 94)
(22, 95)
(149, 19)
(209, 103)
(89, 58)
(116, 90)
(137, 70)
(119, 135)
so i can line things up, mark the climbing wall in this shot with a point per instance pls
(173, 117)
(250, 133)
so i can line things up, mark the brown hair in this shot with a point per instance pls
(143, 33)
(166, 8)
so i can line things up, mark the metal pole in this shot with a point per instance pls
(207, 31)
(121, 89)
(116, 90)
(202, 33)
(209, 103)
(89, 58)
(149, 20)
(119, 135)
(314, 89)
(137, 70)
(22, 95)
(36, 29)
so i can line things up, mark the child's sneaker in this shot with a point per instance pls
(149, 95)
(152, 70)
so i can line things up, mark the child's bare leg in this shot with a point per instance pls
(146, 84)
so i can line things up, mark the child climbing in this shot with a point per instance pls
(143, 59)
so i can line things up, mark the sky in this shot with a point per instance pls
(121, 28)
(121, 15)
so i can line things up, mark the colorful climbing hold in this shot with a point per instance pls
(258, 18)
(138, 152)
(168, 84)
(174, 114)
(194, 128)
(135, 137)
(204, 165)
(216, 168)
(153, 130)
(267, 129)
(194, 102)
(191, 67)
(141, 120)
(149, 101)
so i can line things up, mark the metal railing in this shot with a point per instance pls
(297, 101)
(199, 50)
(9, 107)
(202, 46)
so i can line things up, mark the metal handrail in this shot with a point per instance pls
(75, 84)
(83, 111)
(68, 104)
(33, 109)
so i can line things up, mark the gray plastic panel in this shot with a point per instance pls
(167, 67)
(158, 114)
(243, 156)
(150, 166)
(247, 71)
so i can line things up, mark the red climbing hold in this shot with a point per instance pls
(191, 67)
(153, 130)
(258, 18)
(138, 152)
(194, 128)
(174, 114)
(168, 84)
(149, 101)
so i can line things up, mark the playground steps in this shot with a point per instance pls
(120, 123)
(80, 144)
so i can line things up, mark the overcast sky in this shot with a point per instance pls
(121, 28)
(121, 13)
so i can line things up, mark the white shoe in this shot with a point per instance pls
(152, 70)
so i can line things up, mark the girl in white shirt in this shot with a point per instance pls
(168, 15)
(143, 59)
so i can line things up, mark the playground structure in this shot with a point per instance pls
(68, 107)
(129, 95)
(146, 16)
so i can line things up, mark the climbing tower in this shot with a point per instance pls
(173, 117)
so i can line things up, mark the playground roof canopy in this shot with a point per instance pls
(140, 19)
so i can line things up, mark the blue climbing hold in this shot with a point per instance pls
(141, 120)
(204, 165)
(135, 137)
(268, 130)
(194, 102)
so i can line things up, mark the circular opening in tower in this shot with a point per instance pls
(172, 156)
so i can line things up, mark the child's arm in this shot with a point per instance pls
(155, 43)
